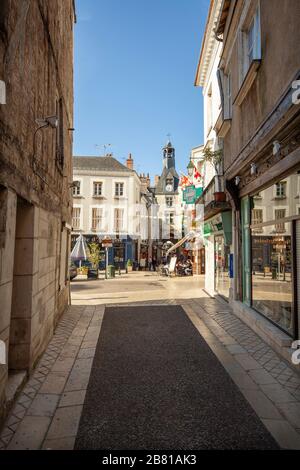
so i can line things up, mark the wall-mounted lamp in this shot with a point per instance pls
(253, 169)
(276, 147)
(237, 180)
(49, 121)
(75, 184)
(43, 123)
(190, 168)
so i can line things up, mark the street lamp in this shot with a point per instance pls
(190, 168)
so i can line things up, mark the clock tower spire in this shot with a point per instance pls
(168, 155)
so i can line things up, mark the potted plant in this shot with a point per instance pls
(129, 266)
(215, 158)
(94, 259)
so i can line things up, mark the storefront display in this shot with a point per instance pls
(272, 250)
(272, 277)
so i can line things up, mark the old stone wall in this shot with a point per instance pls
(280, 63)
(36, 64)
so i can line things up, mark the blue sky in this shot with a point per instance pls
(135, 64)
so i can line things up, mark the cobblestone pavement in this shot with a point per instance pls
(47, 412)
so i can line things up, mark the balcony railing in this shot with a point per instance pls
(212, 202)
(215, 185)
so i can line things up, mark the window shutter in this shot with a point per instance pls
(257, 31)
(220, 76)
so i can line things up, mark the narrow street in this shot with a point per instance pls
(132, 367)
(149, 230)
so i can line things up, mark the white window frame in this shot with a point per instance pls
(75, 179)
(93, 188)
(78, 206)
(121, 229)
(99, 229)
(115, 188)
(284, 185)
(93, 180)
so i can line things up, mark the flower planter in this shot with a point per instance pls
(220, 196)
(92, 273)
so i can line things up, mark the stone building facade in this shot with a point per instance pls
(258, 127)
(169, 203)
(36, 70)
(108, 201)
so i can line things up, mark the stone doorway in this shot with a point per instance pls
(19, 351)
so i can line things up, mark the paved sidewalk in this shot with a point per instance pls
(47, 412)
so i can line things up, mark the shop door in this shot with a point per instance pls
(222, 281)
(119, 256)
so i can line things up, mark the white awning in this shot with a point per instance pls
(188, 237)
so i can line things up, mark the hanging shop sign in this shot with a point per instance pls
(191, 194)
(107, 243)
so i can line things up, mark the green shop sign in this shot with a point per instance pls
(191, 194)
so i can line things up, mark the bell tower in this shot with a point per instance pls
(168, 156)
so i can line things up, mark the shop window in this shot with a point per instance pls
(222, 280)
(272, 256)
(272, 276)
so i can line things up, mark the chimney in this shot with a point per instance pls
(129, 162)
(156, 179)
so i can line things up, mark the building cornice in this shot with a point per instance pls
(208, 42)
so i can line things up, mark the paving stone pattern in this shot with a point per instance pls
(47, 412)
